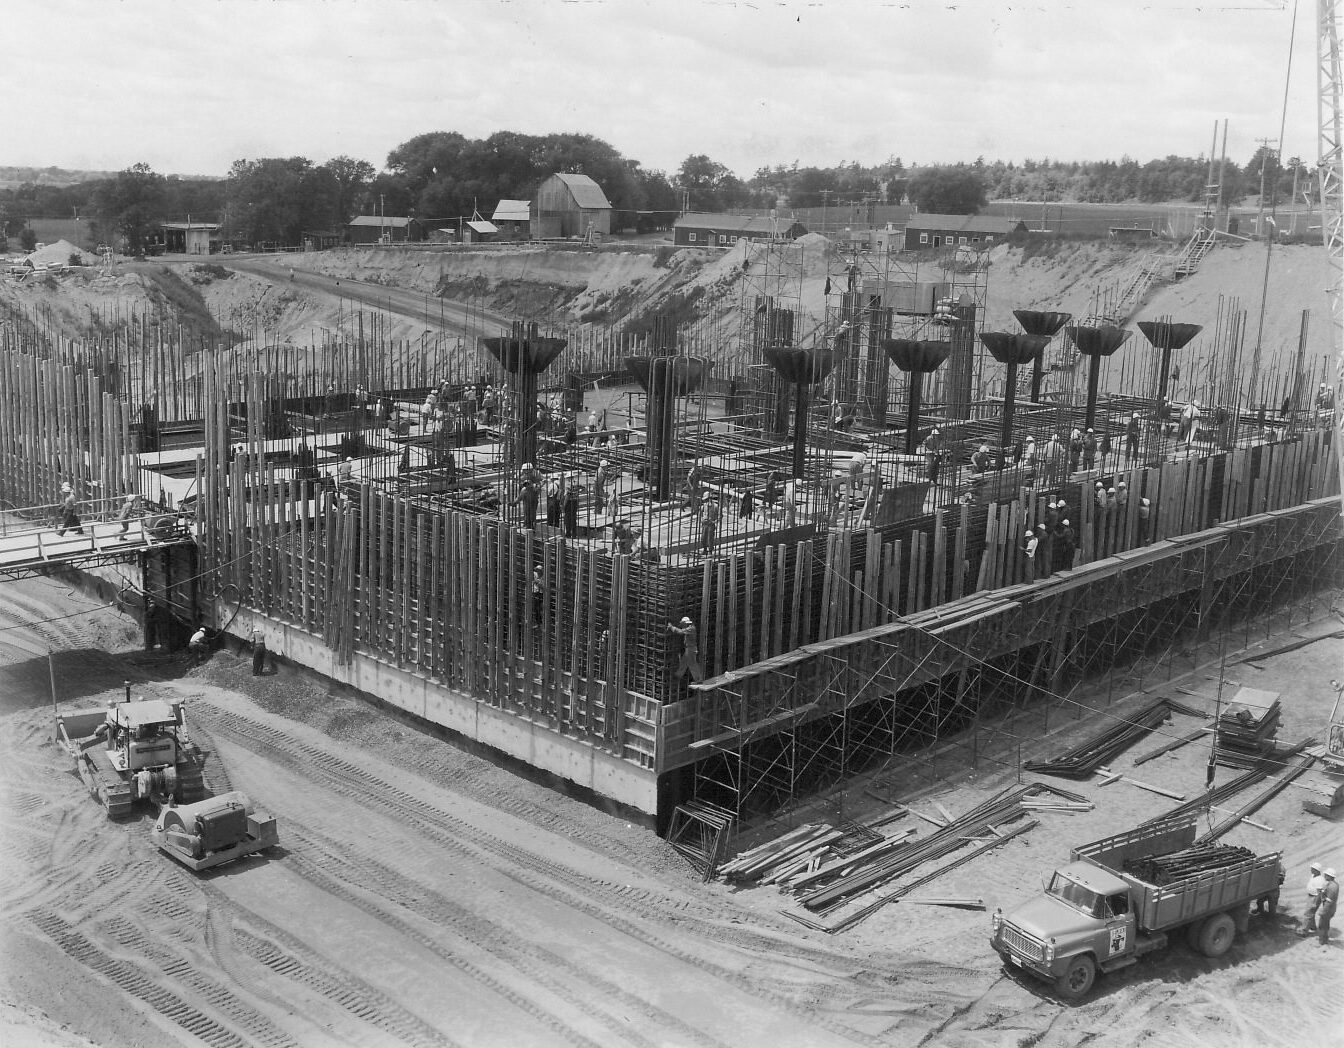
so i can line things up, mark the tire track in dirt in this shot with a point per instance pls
(243, 1018)
(552, 880)
(131, 980)
(536, 964)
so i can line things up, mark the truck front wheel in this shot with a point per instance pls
(1078, 977)
(1215, 938)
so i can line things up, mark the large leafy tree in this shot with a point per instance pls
(352, 178)
(958, 190)
(704, 181)
(132, 204)
(275, 199)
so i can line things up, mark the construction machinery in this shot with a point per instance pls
(133, 751)
(214, 831)
(140, 750)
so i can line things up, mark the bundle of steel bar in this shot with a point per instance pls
(1243, 737)
(1087, 756)
(1163, 869)
(851, 919)
(838, 883)
(1173, 744)
(1232, 787)
(1262, 798)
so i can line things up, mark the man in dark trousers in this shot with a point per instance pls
(258, 651)
(1325, 908)
(527, 497)
(571, 511)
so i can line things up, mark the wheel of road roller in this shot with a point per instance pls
(1215, 937)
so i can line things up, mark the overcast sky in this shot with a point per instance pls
(189, 86)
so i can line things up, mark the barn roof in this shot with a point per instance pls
(584, 190)
(480, 225)
(965, 223)
(512, 211)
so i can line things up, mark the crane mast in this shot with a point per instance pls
(1331, 175)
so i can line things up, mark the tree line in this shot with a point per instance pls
(442, 176)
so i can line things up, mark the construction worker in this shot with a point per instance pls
(1315, 883)
(790, 504)
(690, 649)
(196, 646)
(746, 507)
(128, 509)
(345, 472)
(538, 587)
(527, 498)
(1089, 449)
(570, 511)
(258, 650)
(553, 493)
(1145, 512)
(1325, 908)
(1033, 543)
(69, 512)
(980, 459)
(709, 525)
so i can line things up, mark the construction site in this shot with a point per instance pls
(713, 680)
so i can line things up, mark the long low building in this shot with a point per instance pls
(712, 230)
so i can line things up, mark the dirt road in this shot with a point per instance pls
(423, 896)
(435, 314)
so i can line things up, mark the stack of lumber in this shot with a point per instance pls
(1245, 734)
(1163, 869)
(1121, 733)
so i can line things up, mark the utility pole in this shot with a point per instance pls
(825, 193)
(1264, 162)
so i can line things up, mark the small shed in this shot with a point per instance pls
(478, 231)
(191, 238)
(322, 239)
(384, 229)
(926, 231)
(513, 219)
(711, 230)
(568, 205)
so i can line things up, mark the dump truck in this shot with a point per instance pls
(1096, 915)
(133, 751)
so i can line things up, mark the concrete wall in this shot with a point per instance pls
(540, 746)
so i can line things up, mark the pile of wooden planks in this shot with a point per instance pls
(1089, 755)
(827, 867)
(1245, 734)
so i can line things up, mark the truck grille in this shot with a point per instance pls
(1021, 943)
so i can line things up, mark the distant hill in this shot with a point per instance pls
(47, 176)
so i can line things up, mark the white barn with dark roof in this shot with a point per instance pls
(568, 205)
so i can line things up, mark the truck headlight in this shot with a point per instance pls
(996, 920)
(1048, 954)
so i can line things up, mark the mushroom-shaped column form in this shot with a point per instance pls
(917, 358)
(1164, 337)
(1095, 343)
(663, 379)
(1046, 324)
(524, 355)
(1011, 350)
(804, 368)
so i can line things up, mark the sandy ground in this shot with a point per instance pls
(425, 896)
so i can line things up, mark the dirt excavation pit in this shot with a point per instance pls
(422, 895)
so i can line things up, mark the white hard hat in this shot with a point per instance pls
(1066, 522)
(1330, 873)
(686, 620)
(1316, 867)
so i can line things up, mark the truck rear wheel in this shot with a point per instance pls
(1215, 938)
(1078, 977)
(1193, 930)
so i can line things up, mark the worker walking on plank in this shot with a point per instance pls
(69, 512)
(690, 649)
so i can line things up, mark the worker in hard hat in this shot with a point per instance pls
(1325, 908)
(1315, 882)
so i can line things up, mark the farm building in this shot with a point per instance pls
(925, 231)
(373, 229)
(478, 231)
(570, 205)
(191, 238)
(513, 219)
(322, 239)
(705, 230)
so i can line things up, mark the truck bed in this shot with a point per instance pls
(1160, 907)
